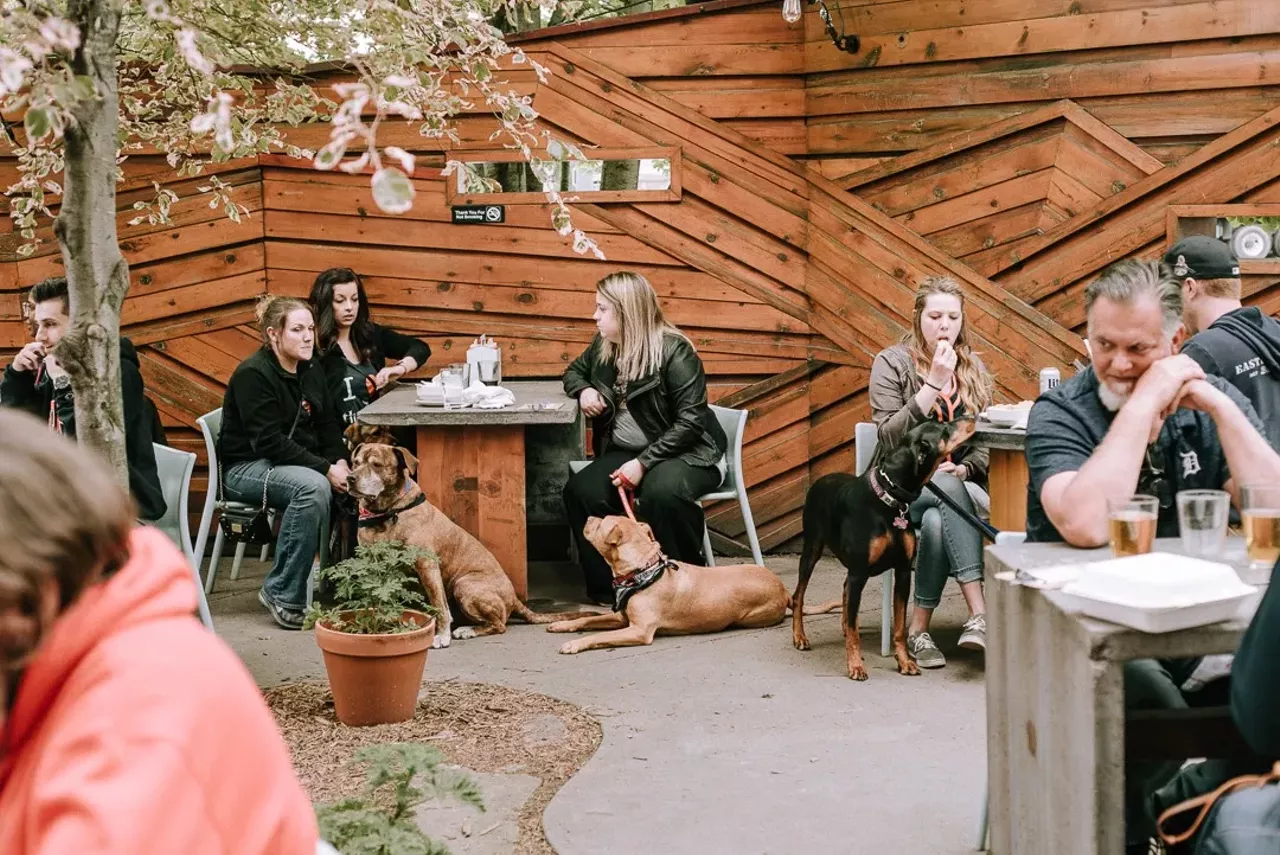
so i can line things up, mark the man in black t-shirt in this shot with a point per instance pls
(1240, 345)
(1141, 419)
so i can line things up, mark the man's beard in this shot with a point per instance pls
(1110, 398)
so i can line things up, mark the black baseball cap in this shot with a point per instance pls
(1202, 257)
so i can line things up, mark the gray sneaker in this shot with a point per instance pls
(974, 636)
(286, 618)
(924, 651)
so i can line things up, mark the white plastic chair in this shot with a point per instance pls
(174, 468)
(865, 439)
(210, 427)
(734, 423)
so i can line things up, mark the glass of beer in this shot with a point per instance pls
(1133, 524)
(1202, 521)
(1260, 518)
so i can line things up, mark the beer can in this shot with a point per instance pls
(1049, 377)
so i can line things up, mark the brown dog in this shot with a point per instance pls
(684, 599)
(393, 507)
(358, 434)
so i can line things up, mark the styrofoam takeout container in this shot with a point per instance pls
(1158, 592)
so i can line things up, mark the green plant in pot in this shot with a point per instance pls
(382, 821)
(376, 633)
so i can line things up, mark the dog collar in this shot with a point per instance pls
(369, 518)
(900, 521)
(637, 580)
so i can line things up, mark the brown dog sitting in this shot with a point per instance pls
(393, 507)
(670, 597)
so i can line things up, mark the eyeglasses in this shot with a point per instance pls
(1152, 482)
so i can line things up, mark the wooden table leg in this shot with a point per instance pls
(1055, 732)
(1007, 479)
(475, 475)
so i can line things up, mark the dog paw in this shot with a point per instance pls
(858, 673)
(560, 626)
(908, 668)
(465, 632)
(801, 642)
(571, 647)
(439, 641)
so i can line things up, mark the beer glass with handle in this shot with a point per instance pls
(1260, 519)
(1132, 522)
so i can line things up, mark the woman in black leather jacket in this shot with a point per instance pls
(642, 384)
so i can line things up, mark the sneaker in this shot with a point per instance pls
(287, 618)
(974, 636)
(924, 651)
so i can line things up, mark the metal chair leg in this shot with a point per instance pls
(213, 561)
(981, 845)
(706, 546)
(235, 564)
(886, 613)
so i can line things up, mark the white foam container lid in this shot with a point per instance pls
(1158, 592)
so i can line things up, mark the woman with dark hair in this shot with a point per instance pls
(125, 726)
(353, 349)
(281, 438)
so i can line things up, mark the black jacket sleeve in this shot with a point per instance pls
(328, 423)
(259, 410)
(18, 390)
(684, 381)
(144, 480)
(1255, 678)
(578, 375)
(396, 346)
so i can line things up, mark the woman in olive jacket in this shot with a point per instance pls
(643, 385)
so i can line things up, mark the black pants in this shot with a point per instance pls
(666, 500)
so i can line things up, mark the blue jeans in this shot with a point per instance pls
(1244, 823)
(948, 546)
(305, 497)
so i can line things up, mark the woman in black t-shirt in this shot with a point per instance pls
(352, 349)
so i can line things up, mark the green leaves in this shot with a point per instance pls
(382, 821)
(373, 589)
(37, 123)
(392, 190)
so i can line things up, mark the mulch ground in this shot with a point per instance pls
(477, 725)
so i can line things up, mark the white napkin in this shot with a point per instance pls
(484, 397)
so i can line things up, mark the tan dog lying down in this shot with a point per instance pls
(392, 507)
(683, 600)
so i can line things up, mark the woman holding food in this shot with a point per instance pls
(934, 374)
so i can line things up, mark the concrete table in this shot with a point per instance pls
(471, 462)
(1007, 474)
(1055, 704)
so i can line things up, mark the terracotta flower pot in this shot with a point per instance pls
(375, 678)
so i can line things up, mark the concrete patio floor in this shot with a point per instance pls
(729, 743)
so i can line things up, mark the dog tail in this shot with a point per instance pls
(530, 616)
(821, 609)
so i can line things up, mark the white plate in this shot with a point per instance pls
(1158, 620)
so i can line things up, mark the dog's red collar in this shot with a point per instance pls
(900, 521)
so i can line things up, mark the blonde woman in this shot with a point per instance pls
(934, 374)
(282, 435)
(643, 385)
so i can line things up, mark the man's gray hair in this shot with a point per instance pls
(1129, 280)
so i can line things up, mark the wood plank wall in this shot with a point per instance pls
(1013, 145)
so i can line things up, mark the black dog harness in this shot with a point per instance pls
(637, 580)
(369, 518)
(897, 503)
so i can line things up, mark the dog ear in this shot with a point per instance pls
(352, 435)
(612, 533)
(407, 460)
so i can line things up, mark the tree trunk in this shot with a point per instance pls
(97, 276)
(620, 175)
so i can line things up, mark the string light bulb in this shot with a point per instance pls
(791, 11)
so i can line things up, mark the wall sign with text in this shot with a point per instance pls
(478, 214)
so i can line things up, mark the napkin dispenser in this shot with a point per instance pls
(485, 358)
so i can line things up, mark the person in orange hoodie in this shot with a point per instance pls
(125, 726)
